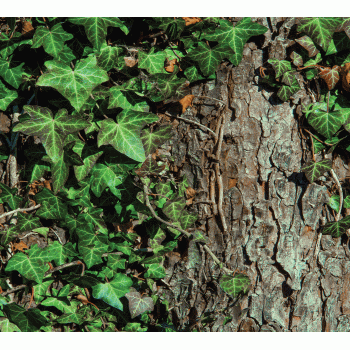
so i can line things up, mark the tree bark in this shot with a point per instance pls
(300, 279)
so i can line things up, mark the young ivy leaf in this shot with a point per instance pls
(280, 66)
(75, 85)
(6, 96)
(208, 58)
(326, 123)
(108, 56)
(285, 91)
(52, 39)
(235, 36)
(51, 130)
(234, 285)
(313, 170)
(96, 28)
(12, 76)
(138, 305)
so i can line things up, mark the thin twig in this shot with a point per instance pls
(98, 106)
(325, 143)
(20, 210)
(340, 193)
(191, 121)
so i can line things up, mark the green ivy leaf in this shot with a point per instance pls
(208, 58)
(52, 39)
(51, 130)
(126, 99)
(12, 76)
(327, 124)
(319, 29)
(8, 195)
(280, 66)
(313, 170)
(285, 91)
(75, 85)
(108, 57)
(6, 96)
(112, 291)
(152, 61)
(234, 285)
(154, 271)
(235, 36)
(96, 28)
(337, 228)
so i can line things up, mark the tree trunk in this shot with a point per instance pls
(299, 278)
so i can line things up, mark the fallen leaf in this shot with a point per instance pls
(170, 65)
(190, 192)
(191, 20)
(345, 76)
(330, 76)
(130, 61)
(27, 29)
(20, 246)
(186, 102)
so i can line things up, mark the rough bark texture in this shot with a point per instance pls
(273, 214)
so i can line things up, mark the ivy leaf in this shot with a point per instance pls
(27, 222)
(154, 271)
(96, 28)
(32, 266)
(307, 43)
(327, 124)
(9, 196)
(313, 170)
(126, 99)
(319, 29)
(330, 76)
(234, 285)
(208, 58)
(108, 56)
(280, 66)
(334, 202)
(138, 305)
(52, 39)
(187, 220)
(296, 58)
(112, 291)
(124, 135)
(60, 173)
(51, 130)
(173, 208)
(152, 61)
(12, 76)
(340, 42)
(153, 140)
(236, 36)
(52, 207)
(337, 228)
(285, 91)
(6, 96)
(75, 85)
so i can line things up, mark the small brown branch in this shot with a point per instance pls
(73, 263)
(340, 193)
(22, 286)
(191, 121)
(20, 210)
(31, 298)
(325, 143)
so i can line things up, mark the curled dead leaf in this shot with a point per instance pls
(191, 20)
(19, 246)
(169, 67)
(27, 29)
(345, 76)
(186, 102)
(130, 61)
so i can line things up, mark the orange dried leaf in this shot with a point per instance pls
(330, 76)
(191, 20)
(20, 246)
(345, 76)
(186, 102)
(170, 66)
(130, 61)
(232, 183)
(190, 192)
(27, 29)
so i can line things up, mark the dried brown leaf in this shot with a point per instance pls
(345, 76)
(130, 61)
(191, 20)
(186, 102)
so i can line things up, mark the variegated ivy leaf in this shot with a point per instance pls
(8, 44)
(60, 173)
(209, 58)
(280, 66)
(75, 85)
(51, 130)
(313, 170)
(235, 36)
(297, 59)
(96, 28)
(288, 78)
(152, 61)
(235, 285)
(52, 39)
(124, 135)
(319, 29)
(307, 43)
(337, 228)
(137, 304)
(326, 123)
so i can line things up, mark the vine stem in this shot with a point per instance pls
(148, 204)
(340, 193)
(17, 210)
(98, 106)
